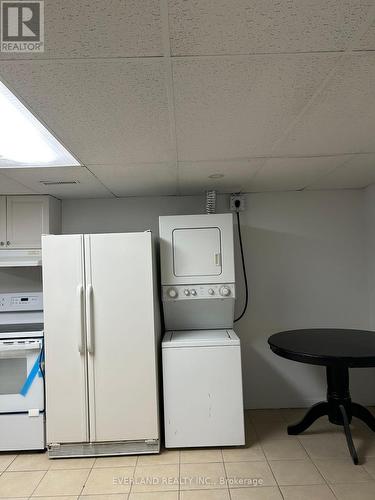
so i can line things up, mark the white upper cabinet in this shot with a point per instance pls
(27, 220)
(23, 219)
(3, 221)
(197, 251)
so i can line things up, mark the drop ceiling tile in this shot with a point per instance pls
(97, 28)
(10, 186)
(104, 111)
(291, 174)
(199, 27)
(367, 41)
(138, 179)
(87, 187)
(236, 107)
(357, 172)
(194, 177)
(342, 119)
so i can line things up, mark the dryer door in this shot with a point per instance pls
(197, 252)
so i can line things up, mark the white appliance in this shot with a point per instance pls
(21, 372)
(202, 379)
(203, 398)
(197, 271)
(102, 336)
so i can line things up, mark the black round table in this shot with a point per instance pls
(337, 350)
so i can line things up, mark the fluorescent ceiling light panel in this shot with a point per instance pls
(24, 140)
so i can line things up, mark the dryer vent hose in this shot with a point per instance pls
(211, 202)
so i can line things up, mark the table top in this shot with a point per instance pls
(326, 346)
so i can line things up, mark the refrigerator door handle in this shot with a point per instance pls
(90, 332)
(81, 342)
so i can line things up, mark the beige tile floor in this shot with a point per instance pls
(272, 466)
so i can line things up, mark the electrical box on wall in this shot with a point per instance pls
(237, 202)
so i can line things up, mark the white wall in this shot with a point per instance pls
(306, 260)
(369, 200)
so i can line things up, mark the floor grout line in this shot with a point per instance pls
(134, 471)
(265, 456)
(179, 474)
(226, 475)
(87, 478)
(36, 487)
(273, 475)
(10, 463)
(331, 489)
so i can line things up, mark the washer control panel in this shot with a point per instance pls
(193, 292)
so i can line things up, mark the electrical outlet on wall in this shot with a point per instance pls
(237, 202)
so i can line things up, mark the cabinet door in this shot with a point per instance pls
(3, 221)
(64, 314)
(123, 396)
(27, 220)
(197, 252)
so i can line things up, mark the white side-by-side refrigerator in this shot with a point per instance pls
(102, 332)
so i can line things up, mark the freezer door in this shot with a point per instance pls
(64, 324)
(121, 337)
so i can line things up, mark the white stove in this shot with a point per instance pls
(21, 372)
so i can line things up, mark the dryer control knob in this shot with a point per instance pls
(193, 292)
(224, 291)
(186, 291)
(211, 291)
(172, 292)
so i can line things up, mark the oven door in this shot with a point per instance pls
(21, 380)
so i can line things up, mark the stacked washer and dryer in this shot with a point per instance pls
(202, 377)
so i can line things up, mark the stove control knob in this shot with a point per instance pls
(224, 291)
(211, 291)
(186, 291)
(193, 292)
(172, 293)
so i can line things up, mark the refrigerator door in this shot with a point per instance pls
(64, 326)
(121, 337)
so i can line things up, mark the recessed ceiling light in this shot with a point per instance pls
(216, 176)
(24, 140)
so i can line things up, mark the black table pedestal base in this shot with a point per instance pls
(338, 407)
